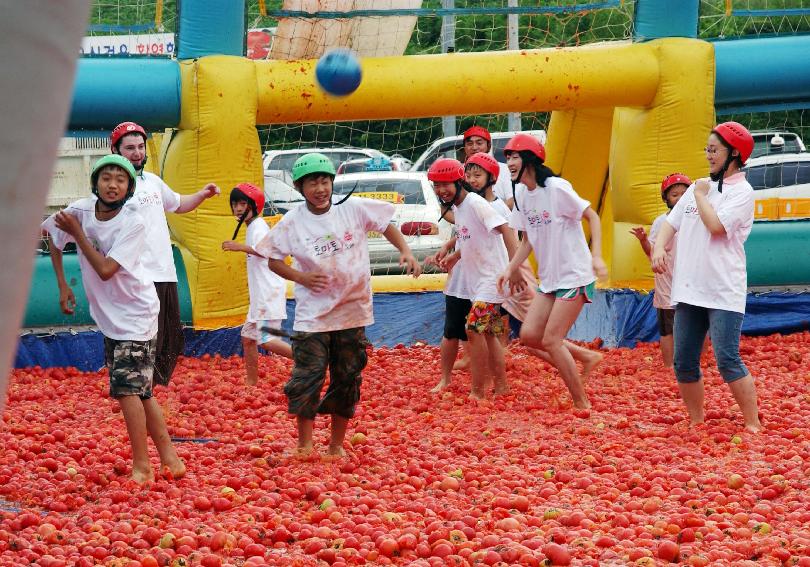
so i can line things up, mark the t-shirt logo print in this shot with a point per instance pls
(463, 233)
(537, 219)
(347, 236)
(329, 245)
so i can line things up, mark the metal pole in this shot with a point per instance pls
(449, 46)
(513, 43)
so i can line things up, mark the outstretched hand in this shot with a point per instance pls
(210, 190)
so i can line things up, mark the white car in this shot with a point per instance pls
(417, 214)
(782, 186)
(770, 142)
(453, 147)
(278, 163)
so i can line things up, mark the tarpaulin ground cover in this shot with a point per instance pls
(619, 317)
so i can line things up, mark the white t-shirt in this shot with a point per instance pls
(662, 299)
(268, 290)
(551, 217)
(710, 271)
(336, 244)
(126, 306)
(153, 198)
(483, 253)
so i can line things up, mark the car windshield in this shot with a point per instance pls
(763, 146)
(407, 191)
(773, 175)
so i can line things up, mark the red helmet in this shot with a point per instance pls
(738, 137)
(479, 131)
(485, 162)
(446, 170)
(525, 142)
(124, 129)
(674, 179)
(251, 193)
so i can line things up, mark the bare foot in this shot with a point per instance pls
(336, 451)
(461, 364)
(251, 380)
(588, 366)
(754, 427)
(582, 404)
(501, 389)
(477, 396)
(174, 470)
(440, 386)
(141, 476)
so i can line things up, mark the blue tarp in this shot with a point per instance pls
(619, 317)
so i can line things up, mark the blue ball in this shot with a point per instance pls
(338, 71)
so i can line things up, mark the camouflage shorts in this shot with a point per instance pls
(131, 367)
(344, 353)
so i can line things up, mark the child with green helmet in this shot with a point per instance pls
(109, 235)
(333, 305)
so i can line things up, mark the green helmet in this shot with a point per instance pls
(118, 161)
(312, 163)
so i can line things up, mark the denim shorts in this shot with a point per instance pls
(691, 325)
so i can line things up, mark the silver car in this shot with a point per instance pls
(417, 214)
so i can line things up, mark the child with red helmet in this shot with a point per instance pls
(709, 285)
(478, 140)
(268, 291)
(484, 243)
(481, 171)
(673, 187)
(549, 212)
(154, 198)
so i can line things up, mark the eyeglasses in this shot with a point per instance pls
(711, 151)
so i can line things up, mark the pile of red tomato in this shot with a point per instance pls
(430, 479)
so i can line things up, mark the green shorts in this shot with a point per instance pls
(131, 367)
(570, 294)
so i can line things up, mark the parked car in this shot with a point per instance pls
(417, 214)
(769, 142)
(278, 163)
(394, 163)
(453, 147)
(782, 185)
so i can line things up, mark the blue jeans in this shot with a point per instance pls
(691, 325)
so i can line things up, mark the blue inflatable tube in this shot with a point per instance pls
(766, 71)
(110, 91)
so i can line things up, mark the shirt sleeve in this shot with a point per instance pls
(374, 214)
(569, 204)
(675, 216)
(171, 199)
(488, 216)
(59, 238)
(503, 185)
(275, 244)
(255, 236)
(517, 220)
(736, 210)
(128, 246)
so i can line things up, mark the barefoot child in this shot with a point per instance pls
(709, 285)
(672, 188)
(485, 243)
(332, 276)
(481, 172)
(123, 302)
(549, 212)
(268, 291)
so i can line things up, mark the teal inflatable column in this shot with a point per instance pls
(655, 19)
(210, 27)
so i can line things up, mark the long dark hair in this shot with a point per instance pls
(541, 171)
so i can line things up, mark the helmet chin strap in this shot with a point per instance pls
(115, 205)
(449, 204)
(719, 175)
(516, 181)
